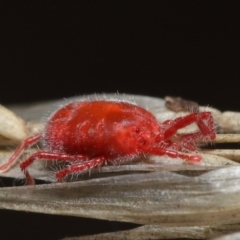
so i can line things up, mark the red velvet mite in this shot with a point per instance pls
(87, 134)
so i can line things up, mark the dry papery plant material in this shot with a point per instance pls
(170, 198)
(178, 104)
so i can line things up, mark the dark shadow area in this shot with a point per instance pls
(12, 182)
(23, 225)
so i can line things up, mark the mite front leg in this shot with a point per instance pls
(205, 124)
(176, 154)
(207, 131)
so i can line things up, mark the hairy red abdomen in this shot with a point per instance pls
(101, 128)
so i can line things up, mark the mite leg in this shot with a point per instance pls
(47, 156)
(205, 124)
(175, 154)
(79, 167)
(13, 159)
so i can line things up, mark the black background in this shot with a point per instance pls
(56, 49)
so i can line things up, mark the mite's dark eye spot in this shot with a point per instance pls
(137, 130)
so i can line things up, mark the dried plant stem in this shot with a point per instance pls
(227, 138)
(232, 154)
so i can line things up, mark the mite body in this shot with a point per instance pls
(87, 134)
